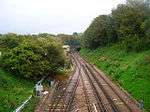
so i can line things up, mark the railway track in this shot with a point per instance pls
(63, 101)
(89, 90)
(98, 98)
(80, 101)
(110, 97)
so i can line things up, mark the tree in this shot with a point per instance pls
(72, 40)
(146, 27)
(129, 18)
(10, 40)
(101, 32)
(128, 24)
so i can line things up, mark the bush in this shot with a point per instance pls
(9, 41)
(132, 43)
(34, 58)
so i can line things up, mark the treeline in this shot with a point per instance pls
(72, 40)
(128, 25)
(31, 56)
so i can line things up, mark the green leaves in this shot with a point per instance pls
(128, 23)
(100, 32)
(33, 57)
(9, 41)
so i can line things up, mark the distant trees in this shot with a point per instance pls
(9, 41)
(30, 57)
(71, 40)
(45, 35)
(100, 32)
(128, 24)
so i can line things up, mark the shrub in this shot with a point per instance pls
(34, 58)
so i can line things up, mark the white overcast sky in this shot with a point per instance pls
(51, 16)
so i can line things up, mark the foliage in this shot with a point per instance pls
(146, 27)
(128, 23)
(71, 40)
(45, 35)
(33, 57)
(130, 70)
(100, 32)
(8, 41)
(129, 19)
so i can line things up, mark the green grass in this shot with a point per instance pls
(31, 105)
(13, 91)
(130, 70)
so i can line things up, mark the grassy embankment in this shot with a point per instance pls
(130, 70)
(13, 91)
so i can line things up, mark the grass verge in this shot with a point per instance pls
(30, 107)
(130, 70)
(13, 91)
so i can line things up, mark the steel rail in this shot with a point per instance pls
(112, 88)
(84, 88)
(54, 104)
(114, 107)
(99, 99)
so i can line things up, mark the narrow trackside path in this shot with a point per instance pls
(89, 90)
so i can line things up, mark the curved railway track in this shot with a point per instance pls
(89, 90)
(84, 96)
(110, 97)
(63, 102)
(102, 101)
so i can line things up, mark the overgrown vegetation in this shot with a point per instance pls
(128, 24)
(130, 70)
(30, 56)
(119, 44)
(13, 91)
(26, 58)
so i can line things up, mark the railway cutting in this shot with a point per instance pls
(87, 90)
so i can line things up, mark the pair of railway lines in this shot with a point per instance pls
(64, 93)
(89, 90)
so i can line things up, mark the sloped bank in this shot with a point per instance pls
(130, 70)
(13, 91)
